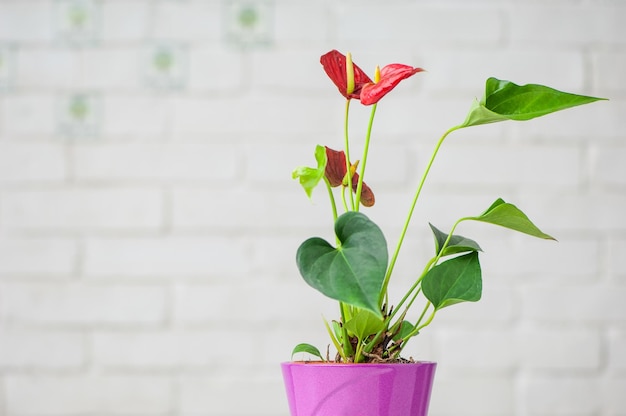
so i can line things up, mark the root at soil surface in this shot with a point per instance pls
(374, 358)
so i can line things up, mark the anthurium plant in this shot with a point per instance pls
(357, 267)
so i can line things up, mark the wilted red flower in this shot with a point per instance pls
(334, 63)
(335, 167)
(390, 76)
(336, 173)
(365, 89)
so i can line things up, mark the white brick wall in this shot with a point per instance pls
(82, 208)
(42, 350)
(22, 163)
(82, 305)
(89, 394)
(148, 220)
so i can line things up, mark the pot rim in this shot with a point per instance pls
(333, 364)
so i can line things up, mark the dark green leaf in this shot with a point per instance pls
(509, 216)
(457, 243)
(453, 281)
(307, 348)
(354, 271)
(310, 177)
(505, 100)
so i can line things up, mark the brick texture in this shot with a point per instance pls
(149, 221)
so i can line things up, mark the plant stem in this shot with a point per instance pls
(394, 257)
(358, 355)
(413, 287)
(343, 199)
(422, 315)
(418, 327)
(345, 339)
(333, 205)
(399, 306)
(339, 347)
(429, 265)
(424, 325)
(347, 148)
(359, 187)
(331, 196)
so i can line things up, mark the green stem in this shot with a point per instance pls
(450, 234)
(423, 314)
(333, 205)
(334, 340)
(345, 339)
(433, 261)
(343, 199)
(359, 187)
(358, 355)
(417, 327)
(347, 150)
(424, 325)
(417, 289)
(415, 295)
(389, 318)
(331, 196)
(394, 257)
(413, 287)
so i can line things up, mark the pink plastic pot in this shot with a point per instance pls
(327, 389)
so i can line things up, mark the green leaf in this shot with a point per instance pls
(354, 271)
(364, 324)
(307, 348)
(457, 243)
(509, 216)
(335, 335)
(405, 329)
(310, 177)
(336, 326)
(505, 100)
(453, 281)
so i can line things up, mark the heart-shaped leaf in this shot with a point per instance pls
(509, 216)
(310, 177)
(364, 324)
(354, 271)
(457, 243)
(453, 281)
(505, 100)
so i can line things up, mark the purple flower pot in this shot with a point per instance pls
(328, 389)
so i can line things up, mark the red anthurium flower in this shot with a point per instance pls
(336, 173)
(390, 76)
(334, 64)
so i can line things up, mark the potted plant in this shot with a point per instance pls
(368, 376)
